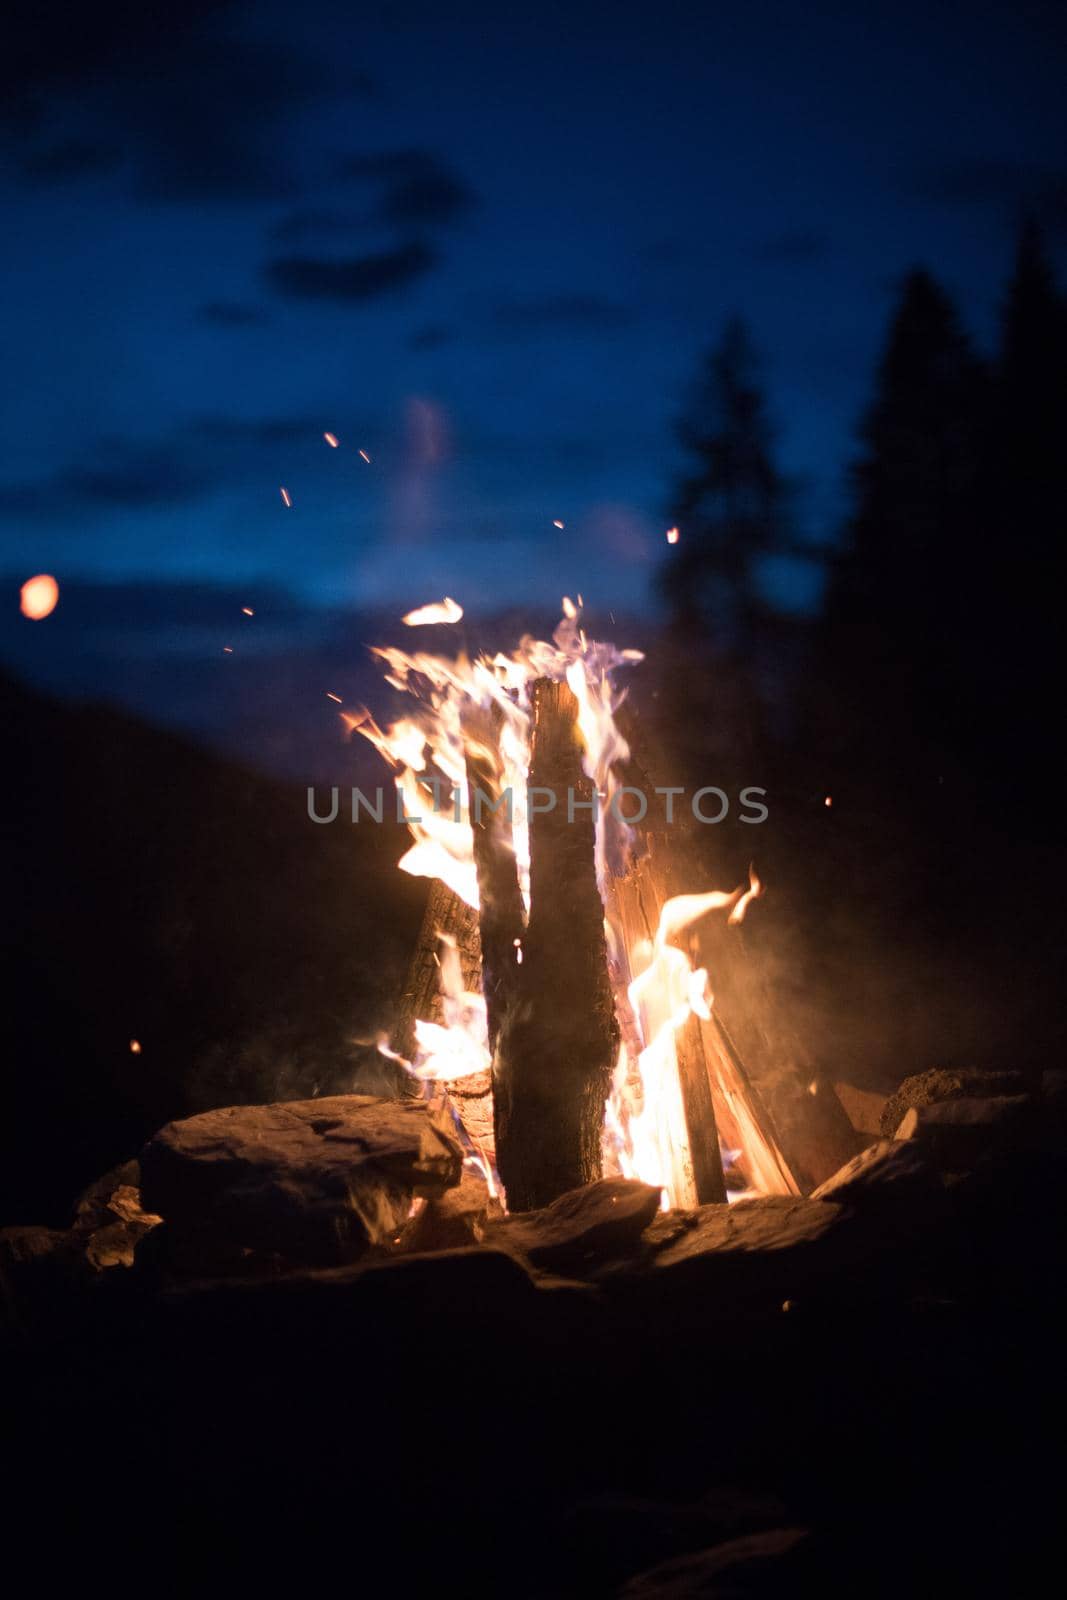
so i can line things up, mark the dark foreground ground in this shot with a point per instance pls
(454, 1424)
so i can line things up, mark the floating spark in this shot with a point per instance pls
(39, 597)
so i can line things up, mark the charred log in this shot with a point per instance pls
(501, 914)
(558, 1043)
(635, 906)
(446, 914)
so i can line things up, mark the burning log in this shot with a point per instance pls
(448, 916)
(764, 1064)
(557, 1045)
(501, 915)
(717, 1094)
(637, 901)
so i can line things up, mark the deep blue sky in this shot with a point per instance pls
(485, 245)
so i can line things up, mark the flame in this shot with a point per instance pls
(673, 535)
(39, 597)
(445, 611)
(657, 987)
(753, 892)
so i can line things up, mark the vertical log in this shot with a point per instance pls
(558, 1043)
(501, 914)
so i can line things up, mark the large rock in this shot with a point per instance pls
(960, 1133)
(757, 1253)
(616, 1535)
(775, 1562)
(583, 1228)
(315, 1182)
(454, 1219)
(933, 1087)
(862, 1107)
(893, 1176)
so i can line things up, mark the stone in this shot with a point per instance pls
(862, 1107)
(584, 1227)
(40, 1270)
(960, 1133)
(314, 1182)
(891, 1175)
(92, 1207)
(754, 1253)
(455, 1218)
(109, 1219)
(768, 1563)
(615, 1535)
(929, 1088)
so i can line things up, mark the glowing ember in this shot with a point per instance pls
(557, 523)
(39, 597)
(673, 535)
(332, 440)
(247, 611)
(445, 610)
(365, 456)
(287, 498)
(227, 649)
(337, 697)
(829, 800)
(135, 1047)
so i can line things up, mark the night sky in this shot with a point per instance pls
(487, 248)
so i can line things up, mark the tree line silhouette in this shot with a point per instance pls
(921, 699)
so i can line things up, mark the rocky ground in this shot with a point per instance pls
(251, 1361)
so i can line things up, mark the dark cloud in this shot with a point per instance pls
(794, 247)
(417, 189)
(50, 42)
(195, 459)
(567, 312)
(69, 159)
(232, 314)
(351, 280)
(1009, 186)
(126, 478)
(199, 96)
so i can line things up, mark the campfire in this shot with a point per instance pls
(555, 1004)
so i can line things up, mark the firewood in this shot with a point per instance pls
(445, 914)
(731, 1105)
(558, 1043)
(501, 914)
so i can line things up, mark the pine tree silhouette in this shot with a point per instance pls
(731, 510)
(1024, 505)
(897, 596)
